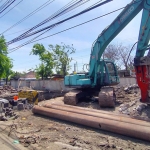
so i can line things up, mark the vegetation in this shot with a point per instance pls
(5, 61)
(119, 54)
(56, 59)
(44, 69)
(16, 75)
(62, 59)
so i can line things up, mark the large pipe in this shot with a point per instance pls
(124, 128)
(84, 108)
(100, 114)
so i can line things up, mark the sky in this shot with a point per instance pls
(81, 37)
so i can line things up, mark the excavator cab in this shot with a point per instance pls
(107, 73)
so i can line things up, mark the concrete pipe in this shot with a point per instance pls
(97, 113)
(124, 128)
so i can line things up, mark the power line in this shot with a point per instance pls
(16, 32)
(16, 48)
(6, 6)
(60, 22)
(29, 15)
(70, 6)
(27, 28)
(11, 9)
(3, 5)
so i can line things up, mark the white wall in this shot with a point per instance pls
(41, 85)
(59, 84)
(127, 81)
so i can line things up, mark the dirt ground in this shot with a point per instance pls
(37, 132)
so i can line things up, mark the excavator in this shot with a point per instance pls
(102, 75)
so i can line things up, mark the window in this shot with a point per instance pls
(111, 69)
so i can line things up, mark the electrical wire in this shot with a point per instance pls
(16, 48)
(16, 32)
(3, 5)
(43, 33)
(29, 28)
(70, 6)
(11, 9)
(7, 6)
(29, 15)
(60, 22)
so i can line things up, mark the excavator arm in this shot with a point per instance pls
(141, 62)
(144, 34)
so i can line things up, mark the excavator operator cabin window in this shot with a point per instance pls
(111, 69)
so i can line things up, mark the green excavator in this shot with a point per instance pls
(102, 74)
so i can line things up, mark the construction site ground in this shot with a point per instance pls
(36, 132)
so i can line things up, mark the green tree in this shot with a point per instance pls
(3, 56)
(62, 59)
(44, 69)
(16, 75)
(8, 71)
(5, 61)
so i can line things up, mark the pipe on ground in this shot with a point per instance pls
(96, 113)
(124, 128)
(82, 108)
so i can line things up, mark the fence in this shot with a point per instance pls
(59, 84)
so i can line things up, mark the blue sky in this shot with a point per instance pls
(81, 37)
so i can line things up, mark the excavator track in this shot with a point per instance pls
(72, 97)
(107, 97)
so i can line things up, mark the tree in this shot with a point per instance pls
(5, 61)
(62, 59)
(8, 71)
(119, 54)
(112, 52)
(3, 56)
(47, 63)
(125, 59)
(16, 75)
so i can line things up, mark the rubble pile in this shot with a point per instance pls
(129, 98)
(7, 89)
(127, 94)
(124, 92)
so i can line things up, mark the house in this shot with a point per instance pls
(30, 75)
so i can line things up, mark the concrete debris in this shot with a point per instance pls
(133, 108)
(140, 107)
(131, 88)
(7, 89)
(8, 114)
(20, 106)
(124, 107)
